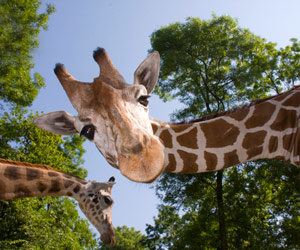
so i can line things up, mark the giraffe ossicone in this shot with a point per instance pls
(114, 115)
(20, 180)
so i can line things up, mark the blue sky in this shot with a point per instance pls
(123, 28)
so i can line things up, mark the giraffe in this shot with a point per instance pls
(21, 179)
(115, 116)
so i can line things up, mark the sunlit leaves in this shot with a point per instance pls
(20, 24)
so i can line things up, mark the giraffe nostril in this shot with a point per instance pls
(137, 148)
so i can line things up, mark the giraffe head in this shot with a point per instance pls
(95, 202)
(113, 115)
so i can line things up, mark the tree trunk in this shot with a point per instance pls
(221, 214)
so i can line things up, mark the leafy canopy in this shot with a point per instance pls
(210, 66)
(20, 24)
(33, 223)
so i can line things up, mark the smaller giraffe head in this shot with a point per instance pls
(95, 202)
(113, 115)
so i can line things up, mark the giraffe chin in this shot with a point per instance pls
(145, 166)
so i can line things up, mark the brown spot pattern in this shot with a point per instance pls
(76, 189)
(33, 173)
(273, 144)
(262, 113)
(231, 159)
(254, 152)
(12, 173)
(285, 119)
(180, 127)
(239, 114)
(2, 190)
(252, 142)
(171, 167)
(41, 186)
(52, 174)
(254, 139)
(293, 101)
(189, 162)
(166, 138)
(287, 142)
(188, 140)
(219, 133)
(55, 186)
(154, 128)
(211, 161)
(297, 143)
(68, 183)
(22, 190)
(280, 97)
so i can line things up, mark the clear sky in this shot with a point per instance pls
(123, 28)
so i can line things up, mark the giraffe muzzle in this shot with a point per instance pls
(108, 239)
(142, 164)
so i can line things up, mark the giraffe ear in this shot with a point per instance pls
(96, 186)
(147, 73)
(58, 122)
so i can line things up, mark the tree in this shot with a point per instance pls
(20, 24)
(41, 223)
(127, 239)
(211, 66)
(33, 223)
(290, 62)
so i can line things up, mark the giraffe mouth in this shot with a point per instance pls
(146, 165)
(108, 239)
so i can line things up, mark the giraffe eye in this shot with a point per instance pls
(88, 131)
(107, 200)
(143, 99)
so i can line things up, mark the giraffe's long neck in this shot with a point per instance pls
(266, 129)
(18, 180)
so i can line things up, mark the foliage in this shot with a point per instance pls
(261, 209)
(33, 223)
(290, 62)
(127, 239)
(21, 140)
(211, 66)
(41, 223)
(20, 24)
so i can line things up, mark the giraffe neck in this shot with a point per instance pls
(19, 180)
(268, 128)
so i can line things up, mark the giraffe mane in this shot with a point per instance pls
(219, 114)
(31, 165)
